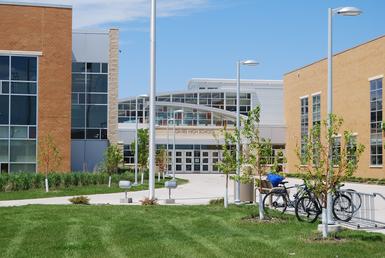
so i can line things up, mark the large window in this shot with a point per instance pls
(89, 100)
(304, 124)
(316, 117)
(18, 113)
(376, 122)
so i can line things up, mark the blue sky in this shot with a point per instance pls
(204, 38)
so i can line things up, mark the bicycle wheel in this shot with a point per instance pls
(274, 202)
(355, 197)
(342, 208)
(307, 209)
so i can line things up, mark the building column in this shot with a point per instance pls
(113, 84)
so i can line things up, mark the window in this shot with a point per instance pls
(351, 148)
(23, 110)
(18, 112)
(304, 123)
(23, 68)
(23, 151)
(89, 100)
(316, 109)
(96, 116)
(78, 82)
(376, 122)
(4, 67)
(4, 109)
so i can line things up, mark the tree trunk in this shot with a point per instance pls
(226, 199)
(109, 181)
(142, 178)
(260, 200)
(158, 176)
(46, 184)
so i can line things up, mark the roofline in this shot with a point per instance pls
(232, 80)
(91, 31)
(36, 4)
(336, 54)
(192, 91)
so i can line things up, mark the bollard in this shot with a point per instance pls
(126, 185)
(170, 185)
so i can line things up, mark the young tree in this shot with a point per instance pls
(327, 159)
(260, 150)
(228, 162)
(49, 156)
(143, 150)
(113, 157)
(161, 161)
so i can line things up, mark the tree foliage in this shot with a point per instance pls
(324, 162)
(143, 148)
(161, 159)
(49, 154)
(113, 158)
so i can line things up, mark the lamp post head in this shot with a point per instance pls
(347, 11)
(178, 111)
(250, 62)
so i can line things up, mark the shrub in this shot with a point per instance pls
(75, 179)
(148, 201)
(218, 201)
(54, 180)
(67, 180)
(38, 181)
(80, 200)
(85, 179)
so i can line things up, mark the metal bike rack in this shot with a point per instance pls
(366, 215)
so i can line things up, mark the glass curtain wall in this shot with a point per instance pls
(18, 113)
(89, 101)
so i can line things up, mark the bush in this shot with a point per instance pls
(80, 200)
(27, 181)
(148, 201)
(54, 180)
(219, 201)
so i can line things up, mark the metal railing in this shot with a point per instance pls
(368, 210)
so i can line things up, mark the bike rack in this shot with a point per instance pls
(365, 217)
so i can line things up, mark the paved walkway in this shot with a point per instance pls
(199, 190)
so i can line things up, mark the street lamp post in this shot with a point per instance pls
(151, 179)
(136, 137)
(238, 183)
(173, 143)
(327, 217)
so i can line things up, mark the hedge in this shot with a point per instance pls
(27, 181)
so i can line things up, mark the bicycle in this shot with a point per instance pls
(309, 208)
(278, 199)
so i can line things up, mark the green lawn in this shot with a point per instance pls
(75, 190)
(167, 231)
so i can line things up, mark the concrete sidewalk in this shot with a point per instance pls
(199, 190)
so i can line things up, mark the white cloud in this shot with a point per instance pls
(94, 13)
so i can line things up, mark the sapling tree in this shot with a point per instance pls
(49, 157)
(259, 152)
(143, 150)
(227, 163)
(113, 158)
(161, 161)
(328, 158)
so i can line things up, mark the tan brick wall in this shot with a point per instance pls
(113, 85)
(351, 90)
(49, 30)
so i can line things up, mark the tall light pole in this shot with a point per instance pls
(151, 180)
(136, 136)
(238, 183)
(173, 143)
(327, 216)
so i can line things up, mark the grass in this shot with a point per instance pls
(167, 231)
(75, 190)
